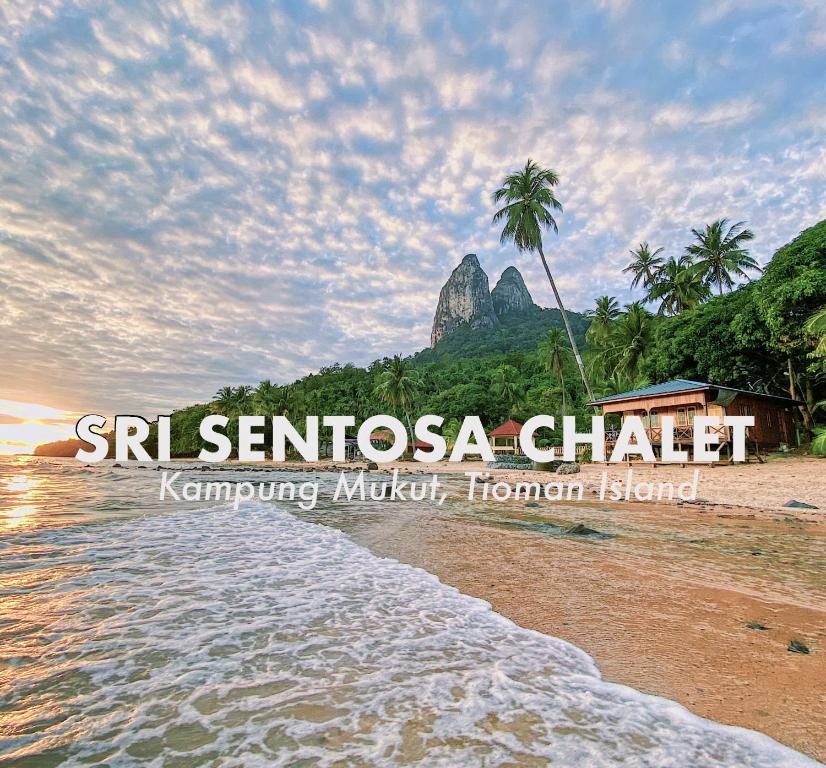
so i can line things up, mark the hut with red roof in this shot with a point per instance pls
(505, 438)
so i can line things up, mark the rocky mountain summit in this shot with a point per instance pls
(510, 294)
(466, 298)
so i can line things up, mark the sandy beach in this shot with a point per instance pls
(664, 603)
(757, 489)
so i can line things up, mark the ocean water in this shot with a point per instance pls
(200, 635)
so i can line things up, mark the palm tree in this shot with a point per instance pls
(815, 327)
(450, 432)
(645, 265)
(243, 393)
(678, 285)
(506, 385)
(529, 197)
(224, 402)
(720, 254)
(630, 340)
(398, 387)
(267, 398)
(293, 401)
(602, 318)
(618, 382)
(231, 402)
(553, 351)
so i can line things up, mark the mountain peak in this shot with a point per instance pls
(511, 294)
(464, 298)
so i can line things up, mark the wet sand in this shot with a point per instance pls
(662, 607)
(664, 603)
(762, 489)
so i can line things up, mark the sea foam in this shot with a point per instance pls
(254, 638)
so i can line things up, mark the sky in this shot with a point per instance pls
(195, 194)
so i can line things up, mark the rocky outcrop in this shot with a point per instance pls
(464, 298)
(510, 294)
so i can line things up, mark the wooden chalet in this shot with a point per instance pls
(684, 399)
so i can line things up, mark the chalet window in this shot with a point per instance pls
(681, 417)
(691, 413)
(655, 419)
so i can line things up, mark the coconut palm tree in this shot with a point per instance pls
(815, 327)
(292, 401)
(398, 387)
(450, 432)
(224, 402)
(678, 285)
(719, 253)
(631, 338)
(602, 318)
(506, 385)
(231, 402)
(645, 265)
(529, 201)
(618, 382)
(267, 398)
(553, 351)
(243, 393)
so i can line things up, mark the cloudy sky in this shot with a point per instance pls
(194, 195)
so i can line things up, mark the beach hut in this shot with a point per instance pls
(684, 399)
(505, 438)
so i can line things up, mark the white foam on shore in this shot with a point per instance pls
(266, 640)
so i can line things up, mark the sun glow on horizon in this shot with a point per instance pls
(24, 426)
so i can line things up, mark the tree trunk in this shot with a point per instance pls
(567, 326)
(562, 384)
(809, 400)
(805, 409)
(792, 386)
(412, 436)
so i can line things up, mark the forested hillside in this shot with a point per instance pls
(768, 335)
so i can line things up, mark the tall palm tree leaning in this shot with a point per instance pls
(529, 201)
(720, 254)
(645, 265)
(397, 388)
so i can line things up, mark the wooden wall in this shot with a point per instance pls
(661, 402)
(773, 422)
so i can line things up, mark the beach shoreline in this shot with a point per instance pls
(672, 602)
(693, 602)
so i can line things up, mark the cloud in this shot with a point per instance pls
(261, 82)
(718, 115)
(201, 194)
